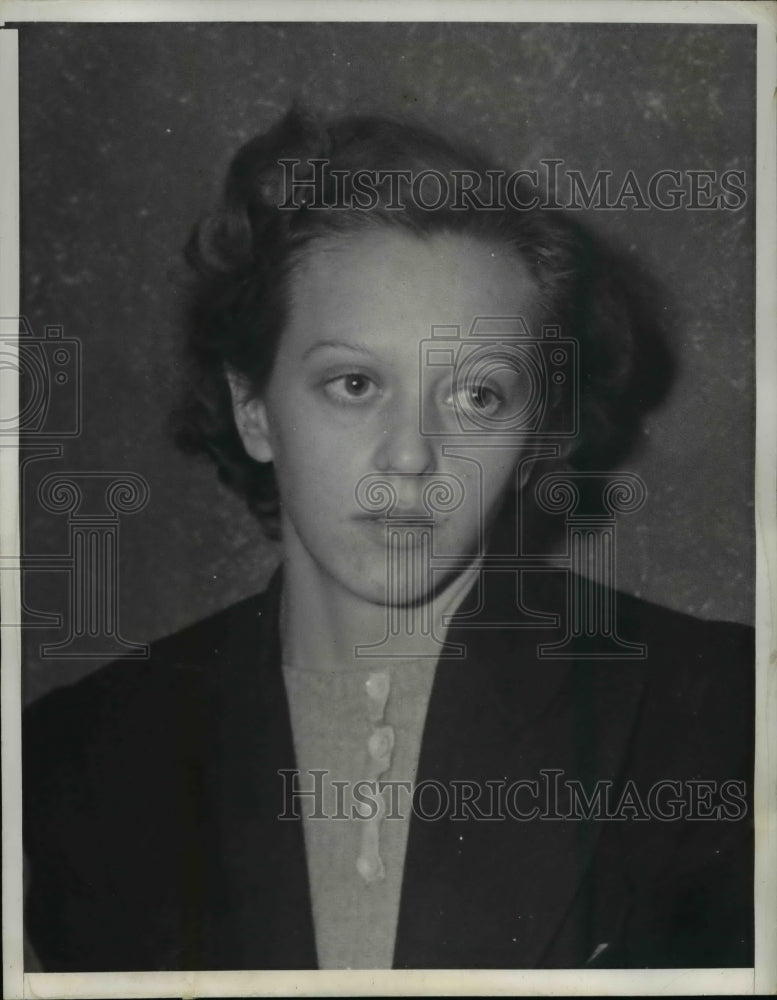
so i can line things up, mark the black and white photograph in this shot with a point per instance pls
(386, 546)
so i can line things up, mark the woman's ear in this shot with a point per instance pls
(250, 418)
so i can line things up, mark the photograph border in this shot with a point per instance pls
(760, 980)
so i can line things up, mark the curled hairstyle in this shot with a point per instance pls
(244, 256)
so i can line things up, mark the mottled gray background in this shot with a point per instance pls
(126, 133)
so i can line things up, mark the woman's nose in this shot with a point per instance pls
(403, 447)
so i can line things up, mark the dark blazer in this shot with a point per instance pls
(152, 793)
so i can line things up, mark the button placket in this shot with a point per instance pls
(380, 746)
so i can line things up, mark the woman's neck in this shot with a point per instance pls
(326, 626)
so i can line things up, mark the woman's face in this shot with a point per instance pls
(357, 391)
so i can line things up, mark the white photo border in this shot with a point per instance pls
(760, 980)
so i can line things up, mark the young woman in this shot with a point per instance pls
(405, 753)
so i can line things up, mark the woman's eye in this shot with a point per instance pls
(479, 399)
(351, 387)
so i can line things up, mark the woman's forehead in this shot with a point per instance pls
(389, 280)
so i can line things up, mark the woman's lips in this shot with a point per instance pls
(402, 514)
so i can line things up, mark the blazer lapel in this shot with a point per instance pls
(492, 892)
(267, 921)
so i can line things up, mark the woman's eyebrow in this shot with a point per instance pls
(340, 344)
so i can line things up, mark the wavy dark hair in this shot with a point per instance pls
(244, 255)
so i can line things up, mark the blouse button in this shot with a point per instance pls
(380, 745)
(377, 686)
(370, 868)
